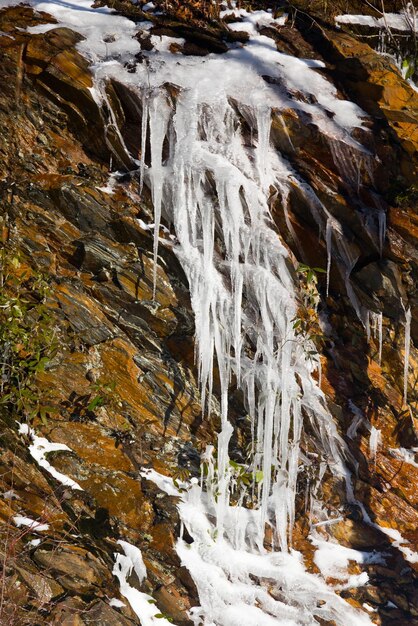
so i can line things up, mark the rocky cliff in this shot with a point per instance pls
(117, 386)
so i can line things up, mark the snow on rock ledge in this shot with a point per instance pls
(40, 448)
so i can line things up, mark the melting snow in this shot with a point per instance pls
(20, 520)
(40, 447)
(234, 579)
(116, 603)
(397, 21)
(333, 559)
(142, 604)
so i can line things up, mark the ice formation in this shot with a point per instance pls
(214, 190)
(374, 442)
(239, 583)
(374, 325)
(142, 604)
(212, 180)
(405, 21)
(408, 319)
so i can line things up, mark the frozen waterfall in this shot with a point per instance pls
(213, 182)
(215, 192)
(212, 173)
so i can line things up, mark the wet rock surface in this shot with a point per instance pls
(135, 353)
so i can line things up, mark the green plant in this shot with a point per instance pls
(409, 66)
(82, 408)
(243, 476)
(163, 616)
(28, 336)
(408, 198)
(304, 324)
(181, 475)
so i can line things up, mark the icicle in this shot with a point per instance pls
(381, 216)
(102, 97)
(374, 443)
(263, 144)
(329, 250)
(159, 114)
(346, 260)
(380, 332)
(144, 128)
(408, 317)
(374, 325)
(368, 334)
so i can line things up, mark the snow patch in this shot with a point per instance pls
(399, 542)
(252, 21)
(107, 36)
(34, 543)
(333, 560)
(40, 447)
(143, 605)
(225, 571)
(403, 21)
(404, 454)
(20, 520)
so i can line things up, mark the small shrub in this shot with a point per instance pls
(28, 336)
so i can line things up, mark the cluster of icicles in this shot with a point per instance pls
(212, 171)
(215, 192)
(214, 186)
(214, 189)
(213, 183)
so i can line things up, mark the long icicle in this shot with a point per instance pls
(408, 317)
(159, 114)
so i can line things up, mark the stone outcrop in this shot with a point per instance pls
(122, 388)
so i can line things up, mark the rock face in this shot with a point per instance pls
(121, 389)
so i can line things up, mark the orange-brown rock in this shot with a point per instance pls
(131, 359)
(378, 87)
